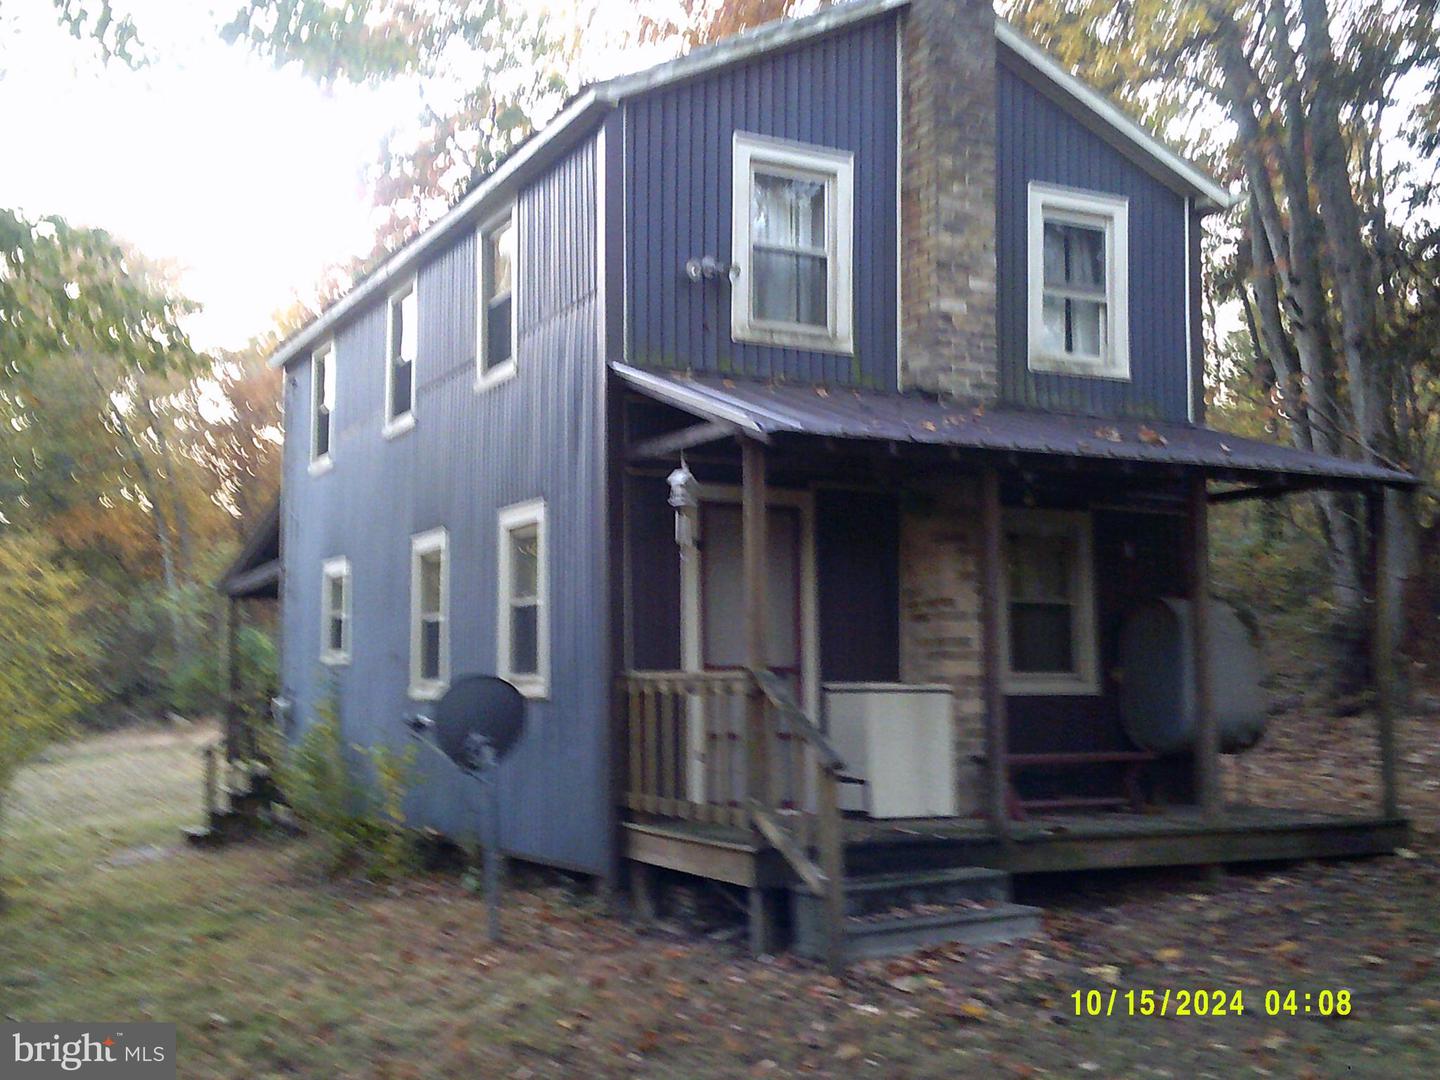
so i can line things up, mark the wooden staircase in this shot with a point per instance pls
(234, 808)
(889, 914)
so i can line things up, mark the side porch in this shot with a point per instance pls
(870, 636)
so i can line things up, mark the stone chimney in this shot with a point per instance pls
(947, 200)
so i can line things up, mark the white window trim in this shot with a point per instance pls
(511, 518)
(330, 569)
(398, 425)
(422, 544)
(501, 372)
(321, 463)
(1112, 213)
(837, 169)
(1085, 680)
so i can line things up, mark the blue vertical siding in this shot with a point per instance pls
(838, 91)
(1038, 140)
(471, 453)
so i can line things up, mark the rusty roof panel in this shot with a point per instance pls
(779, 409)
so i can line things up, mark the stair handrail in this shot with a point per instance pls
(778, 694)
(827, 879)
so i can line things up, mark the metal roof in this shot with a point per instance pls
(765, 409)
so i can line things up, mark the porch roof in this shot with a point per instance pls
(255, 573)
(763, 409)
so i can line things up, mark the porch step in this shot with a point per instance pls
(889, 914)
(879, 893)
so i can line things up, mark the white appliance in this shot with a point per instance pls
(900, 740)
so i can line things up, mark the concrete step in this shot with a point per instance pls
(889, 914)
(867, 938)
(202, 836)
(880, 892)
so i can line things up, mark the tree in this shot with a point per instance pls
(500, 69)
(65, 290)
(44, 661)
(1333, 252)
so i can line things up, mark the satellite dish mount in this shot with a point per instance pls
(475, 726)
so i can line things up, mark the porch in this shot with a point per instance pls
(1059, 843)
(739, 653)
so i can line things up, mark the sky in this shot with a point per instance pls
(248, 179)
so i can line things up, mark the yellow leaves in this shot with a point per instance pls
(1168, 956)
(971, 1010)
(1106, 972)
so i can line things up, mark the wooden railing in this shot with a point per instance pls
(693, 755)
(686, 754)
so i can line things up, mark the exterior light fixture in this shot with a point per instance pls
(685, 501)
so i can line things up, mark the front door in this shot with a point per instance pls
(714, 616)
(722, 591)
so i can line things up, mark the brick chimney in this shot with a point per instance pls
(947, 200)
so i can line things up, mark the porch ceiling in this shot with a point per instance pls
(763, 409)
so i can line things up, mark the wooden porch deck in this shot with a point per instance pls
(1112, 841)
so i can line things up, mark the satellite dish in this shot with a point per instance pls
(476, 708)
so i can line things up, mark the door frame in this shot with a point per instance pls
(692, 631)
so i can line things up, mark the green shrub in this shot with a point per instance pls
(361, 825)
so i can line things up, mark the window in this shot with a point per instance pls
(495, 311)
(791, 244)
(322, 406)
(1079, 281)
(402, 347)
(1049, 612)
(429, 614)
(335, 611)
(524, 643)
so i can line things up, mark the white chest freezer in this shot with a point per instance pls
(901, 741)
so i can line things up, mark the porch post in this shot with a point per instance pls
(232, 679)
(1382, 642)
(1207, 733)
(996, 733)
(752, 458)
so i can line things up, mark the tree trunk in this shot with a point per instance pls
(157, 516)
(186, 561)
(1349, 261)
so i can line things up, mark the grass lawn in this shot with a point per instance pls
(270, 971)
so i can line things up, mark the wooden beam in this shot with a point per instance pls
(672, 442)
(232, 680)
(1259, 491)
(991, 596)
(1207, 733)
(1382, 641)
(805, 868)
(753, 525)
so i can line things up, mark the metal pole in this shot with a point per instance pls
(490, 779)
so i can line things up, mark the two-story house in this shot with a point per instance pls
(812, 429)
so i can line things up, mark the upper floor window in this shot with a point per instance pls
(791, 241)
(335, 611)
(429, 613)
(322, 406)
(1049, 641)
(524, 651)
(1079, 281)
(401, 348)
(496, 311)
